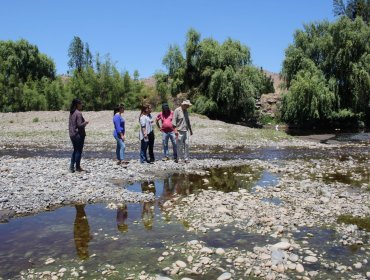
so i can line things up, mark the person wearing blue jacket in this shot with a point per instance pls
(119, 132)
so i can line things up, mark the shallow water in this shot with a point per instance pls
(133, 236)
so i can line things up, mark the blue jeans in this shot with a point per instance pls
(165, 137)
(78, 145)
(120, 148)
(143, 149)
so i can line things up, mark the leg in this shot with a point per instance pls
(165, 137)
(143, 149)
(180, 145)
(73, 157)
(174, 146)
(120, 150)
(117, 148)
(80, 146)
(151, 146)
(186, 146)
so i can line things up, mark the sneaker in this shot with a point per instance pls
(72, 170)
(79, 169)
(119, 162)
(165, 158)
(176, 160)
(186, 161)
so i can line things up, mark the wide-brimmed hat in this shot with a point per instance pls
(186, 102)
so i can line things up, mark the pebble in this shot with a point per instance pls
(224, 276)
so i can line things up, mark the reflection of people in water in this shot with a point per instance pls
(148, 207)
(147, 215)
(181, 184)
(121, 218)
(81, 233)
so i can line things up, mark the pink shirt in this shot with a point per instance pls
(166, 120)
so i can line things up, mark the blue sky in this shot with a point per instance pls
(137, 34)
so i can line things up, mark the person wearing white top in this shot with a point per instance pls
(146, 127)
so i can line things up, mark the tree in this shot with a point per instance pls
(352, 9)
(77, 56)
(329, 57)
(21, 63)
(218, 77)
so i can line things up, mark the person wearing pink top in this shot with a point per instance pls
(164, 123)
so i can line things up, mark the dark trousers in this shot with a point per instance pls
(151, 146)
(143, 150)
(78, 145)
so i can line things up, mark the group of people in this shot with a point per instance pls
(174, 125)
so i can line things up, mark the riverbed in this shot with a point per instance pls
(251, 204)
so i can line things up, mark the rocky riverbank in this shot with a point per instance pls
(310, 195)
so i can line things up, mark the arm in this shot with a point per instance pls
(157, 120)
(143, 127)
(79, 121)
(174, 121)
(117, 127)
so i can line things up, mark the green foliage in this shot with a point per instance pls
(352, 9)
(21, 66)
(362, 223)
(35, 120)
(79, 56)
(327, 71)
(219, 78)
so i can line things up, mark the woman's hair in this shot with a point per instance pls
(144, 107)
(118, 108)
(74, 104)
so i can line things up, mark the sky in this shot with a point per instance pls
(137, 34)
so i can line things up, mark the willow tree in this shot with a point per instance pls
(21, 63)
(340, 53)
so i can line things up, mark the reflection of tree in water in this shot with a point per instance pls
(81, 232)
(121, 218)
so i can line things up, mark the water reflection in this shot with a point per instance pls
(81, 233)
(121, 218)
(147, 215)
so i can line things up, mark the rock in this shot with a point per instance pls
(293, 257)
(220, 251)
(162, 278)
(277, 256)
(206, 250)
(224, 276)
(357, 265)
(311, 259)
(299, 268)
(181, 264)
(282, 245)
(368, 274)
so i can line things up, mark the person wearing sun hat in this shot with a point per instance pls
(182, 127)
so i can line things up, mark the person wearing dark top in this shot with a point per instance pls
(77, 133)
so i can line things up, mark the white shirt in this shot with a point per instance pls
(145, 121)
